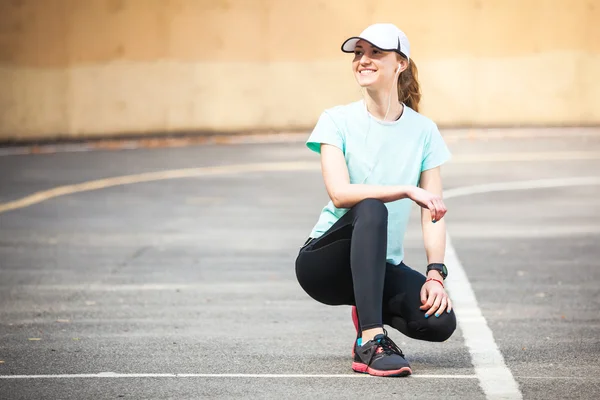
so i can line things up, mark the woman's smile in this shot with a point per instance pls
(367, 71)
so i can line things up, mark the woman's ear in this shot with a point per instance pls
(402, 64)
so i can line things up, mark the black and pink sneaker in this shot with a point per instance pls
(380, 357)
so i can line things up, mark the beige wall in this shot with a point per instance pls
(95, 67)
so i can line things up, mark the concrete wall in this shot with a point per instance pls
(95, 67)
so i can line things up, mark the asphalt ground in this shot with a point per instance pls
(119, 288)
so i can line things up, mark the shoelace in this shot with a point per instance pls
(389, 347)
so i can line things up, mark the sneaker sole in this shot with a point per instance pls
(365, 369)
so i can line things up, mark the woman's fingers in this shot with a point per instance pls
(435, 306)
(440, 310)
(432, 209)
(433, 203)
(437, 208)
(423, 296)
(434, 301)
(427, 297)
(440, 209)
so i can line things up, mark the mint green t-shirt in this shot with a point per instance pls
(379, 153)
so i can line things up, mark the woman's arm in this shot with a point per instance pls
(433, 294)
(343, 194)
(434, 233)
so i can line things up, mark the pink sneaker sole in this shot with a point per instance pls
(365, 369)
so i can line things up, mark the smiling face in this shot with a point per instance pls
(374, 68)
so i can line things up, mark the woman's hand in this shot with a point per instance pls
(430, 201)
(434, 299)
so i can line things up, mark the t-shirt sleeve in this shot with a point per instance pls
(436, 151)
(325, 132)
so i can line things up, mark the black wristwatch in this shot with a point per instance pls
(441, 268)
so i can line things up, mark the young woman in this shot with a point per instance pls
(379, 155)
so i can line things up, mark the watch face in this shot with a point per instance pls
(441, 268)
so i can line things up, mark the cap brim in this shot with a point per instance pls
(350, 44)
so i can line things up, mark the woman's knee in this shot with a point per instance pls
(439, 329)
(430, 329)
(371, 211)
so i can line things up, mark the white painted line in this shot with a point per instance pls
(495, 378)
(173, 375)
(521, 185)
(157, 176)
(273, 376)
(525, 156)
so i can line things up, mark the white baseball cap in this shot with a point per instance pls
(386, 37)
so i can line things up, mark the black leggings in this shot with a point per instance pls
(347, 265)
